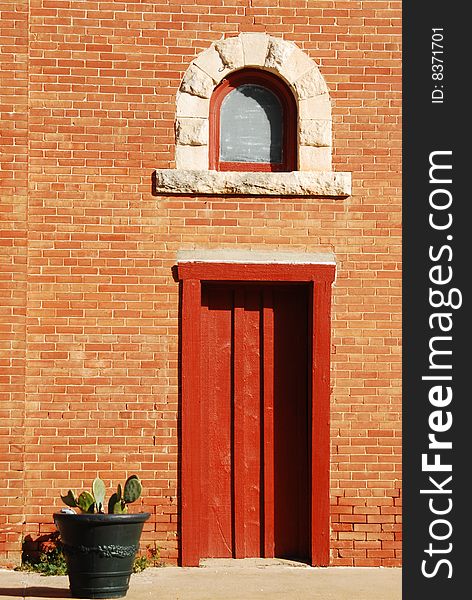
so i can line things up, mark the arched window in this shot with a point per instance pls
(253, 120)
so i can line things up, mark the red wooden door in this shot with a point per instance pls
(255, 441)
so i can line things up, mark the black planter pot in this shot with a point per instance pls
(100, 551)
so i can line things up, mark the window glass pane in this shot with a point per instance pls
(251, 126)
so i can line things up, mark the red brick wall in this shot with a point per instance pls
(13, 257)
(89, 381)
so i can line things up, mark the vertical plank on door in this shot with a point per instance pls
(216, 509)
(268, 421)
(291, 508)
(247, 434)
(238, 426)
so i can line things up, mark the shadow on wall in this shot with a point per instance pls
(33, 548)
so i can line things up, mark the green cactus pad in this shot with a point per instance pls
(133, 489)
(86, 502)
(116, 506)
(69, 499)
(99, 490)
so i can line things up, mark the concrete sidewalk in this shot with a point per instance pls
(247, 579)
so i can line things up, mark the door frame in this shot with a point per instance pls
(320, 277)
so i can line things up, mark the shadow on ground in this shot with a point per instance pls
(35, 591)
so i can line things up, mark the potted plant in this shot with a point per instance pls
(100, 548)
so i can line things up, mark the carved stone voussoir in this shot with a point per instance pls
(197, 83)
(211, 63)
(278, 53)
(231, 52)
(315, 132)
(192, 106)
(288, 60)
(314, 158)
(254, 48)
(311, 84)
(191, 132)
(191, 157)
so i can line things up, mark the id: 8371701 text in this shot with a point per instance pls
(437, 65)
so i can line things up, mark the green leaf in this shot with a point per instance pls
(133, 489)
(99, 490)
(69, 499)
(86, 502)
(116, 506)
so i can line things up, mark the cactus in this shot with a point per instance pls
(117, 507)
(98, 489)
(70, 499)
(94, 502)
(119, 501)
(133, 489)
(86, 502)
(114, 504)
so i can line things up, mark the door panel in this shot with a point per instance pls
(246, 425)
(290, 424)
(254, 421)
(216, 425)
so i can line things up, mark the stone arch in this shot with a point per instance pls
(269, 53)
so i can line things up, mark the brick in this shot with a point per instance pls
(89, 356)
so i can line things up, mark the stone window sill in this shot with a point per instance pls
(295, 183)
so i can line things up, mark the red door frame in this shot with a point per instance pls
(320, 276)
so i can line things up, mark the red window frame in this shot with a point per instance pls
(289, 111)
